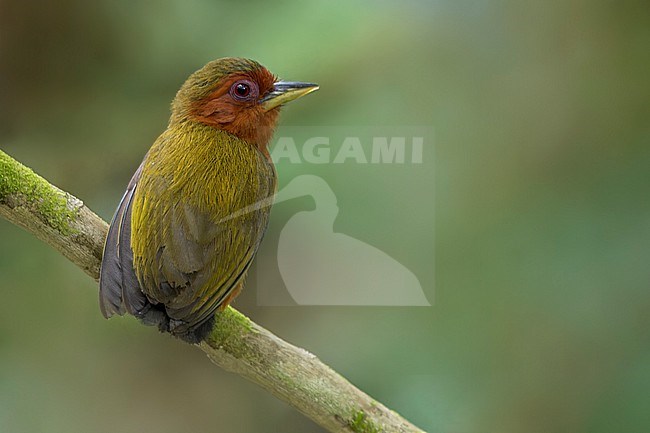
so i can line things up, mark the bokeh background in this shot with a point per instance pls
(536, 205)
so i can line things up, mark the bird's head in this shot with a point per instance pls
(238, 96)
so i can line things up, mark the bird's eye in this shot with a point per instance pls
(244, 90)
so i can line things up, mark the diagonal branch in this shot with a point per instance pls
(236, 343)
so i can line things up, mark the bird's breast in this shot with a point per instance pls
(217, 173)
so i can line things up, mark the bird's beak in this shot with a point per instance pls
(285, 91)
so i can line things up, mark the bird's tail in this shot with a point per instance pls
(119, 288)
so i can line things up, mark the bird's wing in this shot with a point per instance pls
(119, 290)
(189, 262)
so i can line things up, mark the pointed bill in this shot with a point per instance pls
(286, 91)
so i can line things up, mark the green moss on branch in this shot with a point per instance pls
(229, 329)
(50, 204)
(359, 423)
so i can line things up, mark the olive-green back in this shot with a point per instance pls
(190, 246)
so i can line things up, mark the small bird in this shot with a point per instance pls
(193, 215)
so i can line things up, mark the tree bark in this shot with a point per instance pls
(236, 343)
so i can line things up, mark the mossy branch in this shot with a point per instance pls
(236, 343)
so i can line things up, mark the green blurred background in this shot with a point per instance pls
(542, 216)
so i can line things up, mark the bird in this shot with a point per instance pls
(194, 213)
